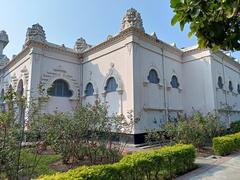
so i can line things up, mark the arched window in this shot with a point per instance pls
(238, 88)
(111, 85)
(60, 88)
(174, 82)
(2, 95)
(220, 82)
(10, 88)
(89, 89)
(230, 86)
(153, 77)
(2, 106)
(20, 88)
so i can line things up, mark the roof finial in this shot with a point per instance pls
(35, 33)
(81, 45)
(3, 41)
(132, 19)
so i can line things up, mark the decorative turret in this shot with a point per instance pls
(3, 41)
(35, 33)
(81, 45)
(132, 19)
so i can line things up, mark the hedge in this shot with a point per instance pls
(165, 162)
(227, 144)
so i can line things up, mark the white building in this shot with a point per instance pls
(131, 71)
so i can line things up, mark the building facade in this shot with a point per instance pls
(129, 71)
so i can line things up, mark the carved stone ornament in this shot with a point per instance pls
(154, 35)
(3, 61)
(81, 45)
(35, 33)
(132, 19)
(4, 38)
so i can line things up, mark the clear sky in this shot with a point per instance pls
(66, 20)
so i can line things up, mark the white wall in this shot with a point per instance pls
(114, 61)
(228, 72)
(198, 84)
(152, 100)
(17, 71)
(49, 66)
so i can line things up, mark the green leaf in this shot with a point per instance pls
(175, 3)
(190, 34)
(196, 13)
(175, 19)
(182, 24)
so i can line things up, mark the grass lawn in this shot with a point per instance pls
(42, 161)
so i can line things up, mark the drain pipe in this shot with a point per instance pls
(81, 83)
(164, 87)
(225, 92)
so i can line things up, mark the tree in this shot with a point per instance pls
(11, 138)
(216, 23)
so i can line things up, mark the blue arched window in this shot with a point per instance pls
(20, 88)
(230, 86)
(220, 82)
(2, 94)
(60, 88)
(174, 82)
(153, 77)
(111, 85)
(10, 88)
(2, 106)
(89, 89)
(238, 88)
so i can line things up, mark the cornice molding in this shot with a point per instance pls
(45, 47)
(17, 58)
(194, 51)
(132, 32)
(225, 58)
(113, 40)
(54, 48)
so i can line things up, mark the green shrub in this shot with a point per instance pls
(235, 127)
(197, 129)
(166, 162)
(227, 144)
(85, 134)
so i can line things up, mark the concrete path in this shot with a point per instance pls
(215, 168)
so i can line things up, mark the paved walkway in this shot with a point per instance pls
(216, 168)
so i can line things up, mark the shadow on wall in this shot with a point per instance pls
(107, 87)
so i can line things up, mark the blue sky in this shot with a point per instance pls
(66, 20)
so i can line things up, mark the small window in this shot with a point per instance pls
(230, 86)
(153, 77)
(174, 82)
(20, 88)
(220, 82)
(60, 88)
(10, 88)
(111, 85)
(2, 95)
(2, 106)
(238, 88)
(89, 89)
